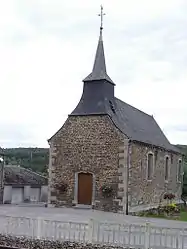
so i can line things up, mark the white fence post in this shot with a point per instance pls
(182, 238)
(177, 240)
(90, 230)
(8, 225)
(39, 228)
(147, 235)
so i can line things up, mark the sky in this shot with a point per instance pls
(47, 48)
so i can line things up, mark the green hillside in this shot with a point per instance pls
(36, 159)
(183, 149)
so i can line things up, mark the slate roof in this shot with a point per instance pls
(98, 99)
(16, 175)
(99, 69)
(139, 126)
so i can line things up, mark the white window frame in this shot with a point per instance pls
(151, 178)
(171, 159)
(179, 179)
(166, 157)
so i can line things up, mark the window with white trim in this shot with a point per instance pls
(179, 173)
(150, 165)
(155, 156)
(166, 168)
(171, 158)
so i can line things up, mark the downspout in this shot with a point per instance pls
(127, 178)
(2, 179)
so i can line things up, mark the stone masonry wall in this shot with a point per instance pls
(89, 144)
(150, 192)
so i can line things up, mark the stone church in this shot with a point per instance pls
(109, 155)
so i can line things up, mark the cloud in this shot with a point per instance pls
(13, 135)
(47, 47)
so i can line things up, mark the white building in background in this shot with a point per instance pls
(22, 186)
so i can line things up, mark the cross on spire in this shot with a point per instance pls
(99, 68)
(101, 15)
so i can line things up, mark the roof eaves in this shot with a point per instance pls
(157, 146)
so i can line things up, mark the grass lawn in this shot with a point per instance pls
(183, 216)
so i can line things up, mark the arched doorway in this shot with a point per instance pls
(85, 187)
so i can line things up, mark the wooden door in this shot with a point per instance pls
(85, 183)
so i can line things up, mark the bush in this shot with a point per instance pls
(162, 211)
(170, 209)
(169, 196)
(63, 187)
(107, 191)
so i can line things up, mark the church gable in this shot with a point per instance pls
(58, 133)
(89, 144)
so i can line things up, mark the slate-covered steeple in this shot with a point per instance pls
(98, 89)
(99, 69)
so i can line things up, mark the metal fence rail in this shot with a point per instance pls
(123, 234)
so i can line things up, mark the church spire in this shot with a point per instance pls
(99, 69)
(98, 89)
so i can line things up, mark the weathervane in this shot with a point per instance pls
(101, 15)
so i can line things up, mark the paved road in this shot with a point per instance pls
(84, 215)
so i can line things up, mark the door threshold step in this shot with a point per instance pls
(81, 206)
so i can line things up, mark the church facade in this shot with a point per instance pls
(109, 155)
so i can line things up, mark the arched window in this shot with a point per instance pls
(179, 173)
(150, 166)
(167, 168)
(171, 158)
